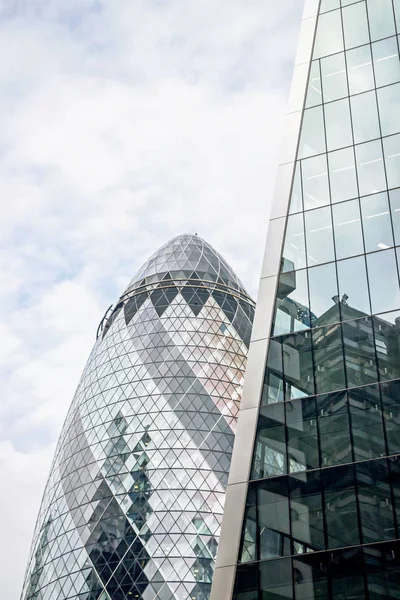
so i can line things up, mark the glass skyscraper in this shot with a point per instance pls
(133, 505)
(313, 501)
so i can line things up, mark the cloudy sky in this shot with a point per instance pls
(123, 123)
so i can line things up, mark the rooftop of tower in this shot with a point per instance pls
(184, 257)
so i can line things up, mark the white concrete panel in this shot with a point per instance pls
(264, 314)
(311, 8)
(299, 87)
(223, 583)
(290, 139)
(254, 375)
(273, 249)
(306, 41)
(232, 522)
(243, 448)
(283, 186)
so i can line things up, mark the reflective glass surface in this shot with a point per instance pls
(312, 139)
(348, 229)
(319, 236)
(335, 364)
(370, 168)
(391, 148)
(342, 175)
(377, 224)
(334, 80)
(359, 70)
(386, 61)
(315, 182)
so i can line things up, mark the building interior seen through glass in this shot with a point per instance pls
(322, 517)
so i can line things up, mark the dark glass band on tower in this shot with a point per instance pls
(322, 517)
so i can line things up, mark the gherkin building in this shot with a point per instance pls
(134, 501)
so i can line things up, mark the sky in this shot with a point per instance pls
(123, 124)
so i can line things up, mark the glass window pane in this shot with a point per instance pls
(298, 365)
(365, 117)
(376, 222)
(272, 415)
(381, 21)
(276, 579)
(273, 388)
(338, 124)
(314, 92)
(383, 584)
(375, 501)
(269, 452)
(329, 5)
(294, 253)
(391, 411)
(360, 72)
(303, 445)
(273, 384)
(315, 181)
(396, 4)
(342, 174)
(334, 429)
(248, 552)
(347, 228)
(389, 102)
(394, 196)
(355, 25)
(329, 38)
(394, 468)
(347, 575)
(273, 518)
(292, 313)
(384, 282)
(391, 148)
(246, 585)
(353, 288)
(312, 139)
(328, 359)
(296, 200)
(334, 80)
(387, 345)
(313, 583)
(386, 61)
(319, 236)
(341, 507)
(324, 296)
(302, 409)
(359, 351)
(366, 422)
(301, 420)
(306, 512)
(371, 174)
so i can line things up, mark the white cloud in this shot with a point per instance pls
(123, 124)
(23, 477)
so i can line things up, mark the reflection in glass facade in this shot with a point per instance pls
(134, 501)
(322, 516)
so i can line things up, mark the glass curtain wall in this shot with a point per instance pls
(322, 517)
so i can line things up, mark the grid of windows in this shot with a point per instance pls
(323, 504)
(134, 502)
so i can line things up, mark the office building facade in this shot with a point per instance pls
(313, 501)
(134, 501)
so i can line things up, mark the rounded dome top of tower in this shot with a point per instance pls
(185, 257)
